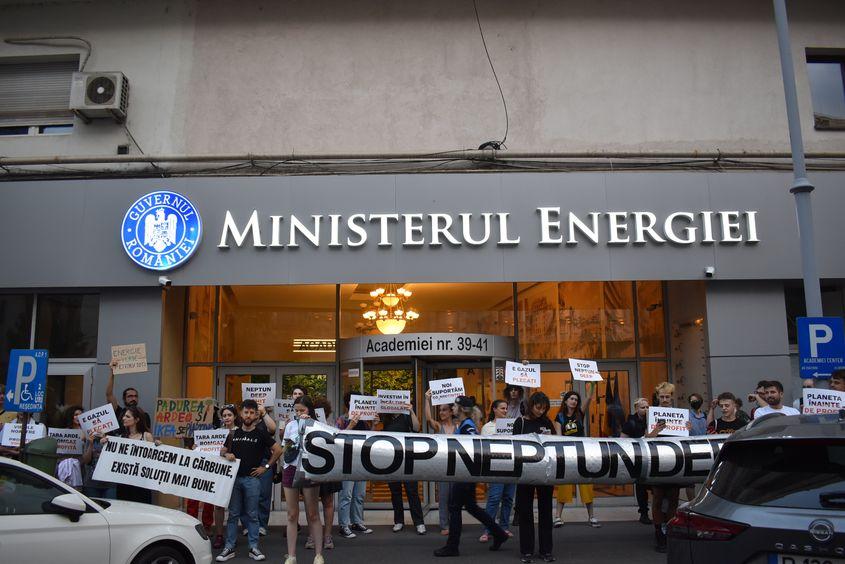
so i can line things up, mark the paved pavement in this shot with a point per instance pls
(575, 543)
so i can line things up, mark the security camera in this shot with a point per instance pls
(709, 271)
(165, 282)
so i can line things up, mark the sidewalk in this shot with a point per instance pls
(575, 543)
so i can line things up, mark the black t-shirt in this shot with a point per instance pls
(720, 427)
(524, 426)
(570, 426)
(634, 427)
(400, 423)
(249, 447)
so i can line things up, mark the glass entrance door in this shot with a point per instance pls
(317, 379)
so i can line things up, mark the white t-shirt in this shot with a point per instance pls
(292, 435)
(786, 410)
(489, 428)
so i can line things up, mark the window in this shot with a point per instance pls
(66, 325)
(36, 96)
(22, 493)
(15, 325)
(826, 73)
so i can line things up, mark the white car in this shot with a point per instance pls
(43, 520)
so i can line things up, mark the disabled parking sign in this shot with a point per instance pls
(26, 381)
(821, 346)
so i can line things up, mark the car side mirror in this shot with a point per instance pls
(70, 505)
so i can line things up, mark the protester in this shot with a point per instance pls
(247, 443)
(698, 427)
(404, 423)
(463, 493)
(444, 424)
(837, 380)
(757, 399)
(570, 423)
(130, 398)
(665, 398)
(774, 399)
(267, 423)
(535, 420)
(327, 490)
(730, 421)
(304, 413)
(499, 496)
(806, 384)
(515, 396)
(350, 505)
(635, 428)
(90, 456)
(133, 426)
(298, 391)
(229, 420)
(69, 467)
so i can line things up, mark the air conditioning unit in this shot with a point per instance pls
(99, 95)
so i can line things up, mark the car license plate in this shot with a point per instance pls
(795, 559)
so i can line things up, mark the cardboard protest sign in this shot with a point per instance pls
(818, 401)
(68, 441)
(261, 393)
(504, 425)
(585, 370)
(167, 469)
(130, 358)
(11, 435)
(100, 420)
(446, 390)
(676, 421)
(210, 441)
(366, 407)
(520, 374)
(321, 415)
(393, 401)
(181, 417)
(284, 410)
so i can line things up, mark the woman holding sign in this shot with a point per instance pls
(444, 424)
(499, 496)
(134, 427)
(570, 423)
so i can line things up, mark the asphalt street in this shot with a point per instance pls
(575, 543)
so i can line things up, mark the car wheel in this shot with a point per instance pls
(161, 555)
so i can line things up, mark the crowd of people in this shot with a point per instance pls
(263, 461)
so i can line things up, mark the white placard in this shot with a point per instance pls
(210, 441)
(818, 401)
(393, 401)
(261, 393)
(11, 435)
(446, 390)
(130, 358)
(585, 370)
(504, 425)
(68, 441)
(519, 374)
(167, 469)
(676, 421)
(321, 415)
(284, 410)
(366, 407)
(100, 420)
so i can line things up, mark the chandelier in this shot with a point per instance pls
(389, 309)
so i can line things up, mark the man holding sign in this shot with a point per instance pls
(130, 396)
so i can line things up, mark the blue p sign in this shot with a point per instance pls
(26, 381)
(821, 346)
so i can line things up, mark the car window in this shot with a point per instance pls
(22, 493)
(805, 474)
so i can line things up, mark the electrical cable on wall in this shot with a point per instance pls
(496, 145)
(40, 41)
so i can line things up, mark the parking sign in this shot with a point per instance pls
(821, 346)
(26, 382)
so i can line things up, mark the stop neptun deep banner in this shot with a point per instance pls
(167, 469)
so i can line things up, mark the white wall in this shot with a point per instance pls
(382, 76)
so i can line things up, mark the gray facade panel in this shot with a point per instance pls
(746, 318)
(740, 374)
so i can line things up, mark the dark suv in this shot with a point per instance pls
(776, 495)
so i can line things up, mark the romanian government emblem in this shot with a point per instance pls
(161, 230)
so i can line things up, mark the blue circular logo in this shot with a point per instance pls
(161, 230)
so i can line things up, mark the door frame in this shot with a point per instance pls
(86, 369)
(276, 373)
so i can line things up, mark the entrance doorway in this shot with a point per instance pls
(68, 384)
(319, 380)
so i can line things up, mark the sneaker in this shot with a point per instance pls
(527, 558)
(510, 534)
(498, 542)
(398, 527)
(347, 533)
(309, 542)
(255, 554)
(262, 532)
(244, 533)
(484, 538)
(361, 528)
(594, 523)
(226, 554)
(644, 519)
(218, 542)
(446, 551)
(558, 523)
(420, 529)
(548, 557)
(318, 559)
(444, 532)
(290, 559)
(328, 542)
